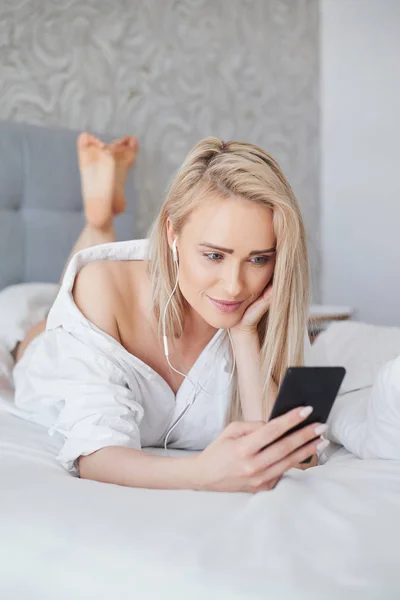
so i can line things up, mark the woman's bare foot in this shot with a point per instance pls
(98, 176)
(124, 152)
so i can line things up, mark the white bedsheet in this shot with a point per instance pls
(326, 533)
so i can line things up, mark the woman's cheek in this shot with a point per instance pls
(203, 277)
(193, 282)
(268, 277)
(261, 285)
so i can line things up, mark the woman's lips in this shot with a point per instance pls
(226, 307)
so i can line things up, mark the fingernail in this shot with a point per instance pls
(320, 429)
(307, 410)
(323, 445)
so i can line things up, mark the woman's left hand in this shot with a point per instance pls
(253, 313)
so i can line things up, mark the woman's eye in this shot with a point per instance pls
(261, 260)
(214, 256)
(258, 261)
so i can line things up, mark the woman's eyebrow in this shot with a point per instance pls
(230, 251)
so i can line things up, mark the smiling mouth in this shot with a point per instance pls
(224, 305)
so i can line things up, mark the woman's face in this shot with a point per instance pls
(223, 256)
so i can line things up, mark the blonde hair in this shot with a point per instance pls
(222, 169)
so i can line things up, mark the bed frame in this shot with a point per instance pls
(41, 204)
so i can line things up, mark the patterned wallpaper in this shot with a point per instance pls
(171, 72)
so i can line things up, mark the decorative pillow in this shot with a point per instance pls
(21, 306)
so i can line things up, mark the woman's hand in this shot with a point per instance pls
(253, 313)
(239, 461)
(313, 463)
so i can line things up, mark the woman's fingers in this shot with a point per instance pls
(267, 294)
(288, 446)
(272, 430)
(290, 461)
(312, 463)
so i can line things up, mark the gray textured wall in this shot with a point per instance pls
(172, 72)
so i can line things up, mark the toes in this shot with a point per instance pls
(134, 144)
(120, 141)
(124, 141)
(83, 140)
(86, 139)
(128, 141)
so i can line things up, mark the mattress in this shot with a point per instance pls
(328, 532)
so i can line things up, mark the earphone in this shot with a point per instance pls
(166, 352)
(174, 252)
(165, 339)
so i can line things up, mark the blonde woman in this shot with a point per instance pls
(180, 340)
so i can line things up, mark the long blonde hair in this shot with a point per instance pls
(222, 169)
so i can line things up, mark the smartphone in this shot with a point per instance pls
(308, 386)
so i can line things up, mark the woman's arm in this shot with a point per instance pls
(247, 351)
(246, 457)
(137, 468)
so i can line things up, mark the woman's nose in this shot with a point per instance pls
(233, 283)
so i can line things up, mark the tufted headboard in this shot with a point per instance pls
(41, 210)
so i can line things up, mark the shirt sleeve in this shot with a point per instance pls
(84, 394)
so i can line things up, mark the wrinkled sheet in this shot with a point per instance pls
(329, 532)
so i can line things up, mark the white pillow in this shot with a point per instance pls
(361, 348)
(382, 439)
(21, 306)
(6, 367)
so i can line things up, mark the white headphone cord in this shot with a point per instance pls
(183, 413)
(166, 350)
(195, 386)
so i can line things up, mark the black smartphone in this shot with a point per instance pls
(308, 386)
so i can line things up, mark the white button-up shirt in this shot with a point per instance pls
(89, 391)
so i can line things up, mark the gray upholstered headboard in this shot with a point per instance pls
(40, 202)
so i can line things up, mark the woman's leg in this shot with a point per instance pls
(104, 170)
(91, 236)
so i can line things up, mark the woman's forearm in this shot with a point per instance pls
(137, 468)
(247, 352)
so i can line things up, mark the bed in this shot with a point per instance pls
(329, 532)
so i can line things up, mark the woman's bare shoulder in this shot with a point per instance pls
(107, 292)
(94, 293)
(132, 297)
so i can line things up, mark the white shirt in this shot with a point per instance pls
(83, 384)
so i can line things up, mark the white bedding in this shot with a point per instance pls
(326, 533)
(365, 417)
(329, 532)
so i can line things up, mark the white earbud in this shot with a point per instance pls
(174, 252)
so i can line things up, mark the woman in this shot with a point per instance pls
(106, 372)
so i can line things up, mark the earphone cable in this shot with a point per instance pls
(166, 350)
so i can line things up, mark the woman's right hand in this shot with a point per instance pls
(237, 461)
